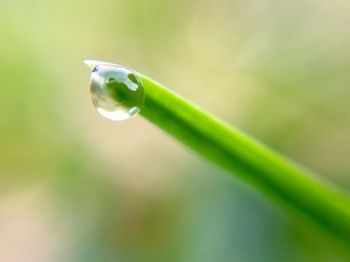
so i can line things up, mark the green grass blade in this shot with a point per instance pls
(283, 180)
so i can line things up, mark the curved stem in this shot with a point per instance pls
(244, 157)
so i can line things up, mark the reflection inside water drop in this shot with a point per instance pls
(117, 92)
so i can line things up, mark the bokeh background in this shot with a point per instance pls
(77, 187)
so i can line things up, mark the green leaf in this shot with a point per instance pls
(285, 182)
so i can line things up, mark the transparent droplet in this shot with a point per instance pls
(116, 91)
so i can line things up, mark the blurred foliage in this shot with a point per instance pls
(75, 187)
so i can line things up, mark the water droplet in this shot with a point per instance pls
(117, 92)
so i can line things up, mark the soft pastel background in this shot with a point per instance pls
(77, 187)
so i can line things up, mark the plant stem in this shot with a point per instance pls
(283, 180)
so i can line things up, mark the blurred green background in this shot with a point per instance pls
(77, 187)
